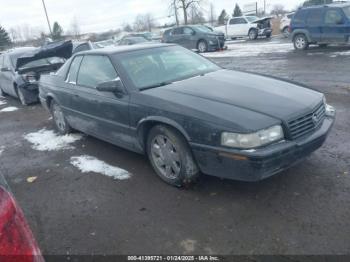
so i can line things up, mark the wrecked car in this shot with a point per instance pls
(244, 26)
(187, 114)
(21, 68)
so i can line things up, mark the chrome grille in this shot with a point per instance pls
(307, 123)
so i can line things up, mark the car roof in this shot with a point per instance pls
(339, 5)
(123, 49)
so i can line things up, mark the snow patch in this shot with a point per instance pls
(2, 102)
(248, 49)
(88, 164)
(48, 140)
(9, 109)
(2, 149)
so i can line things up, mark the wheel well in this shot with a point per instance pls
(297, 34)
(146, 128)
(253, 28)
(48, 101)
(202, 40)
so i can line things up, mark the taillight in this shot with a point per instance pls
(16, 239)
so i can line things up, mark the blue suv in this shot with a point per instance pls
(320, 25)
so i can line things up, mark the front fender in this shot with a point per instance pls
(143, 123)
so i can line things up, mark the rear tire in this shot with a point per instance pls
(171, 157)
(300, 42)
(253, 34)
(21, 97)
(59, 119)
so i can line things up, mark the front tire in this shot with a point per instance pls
(171, 157)
(300, 42)
(285, 32)
(253, 34)
(59, 119)
(202, 46)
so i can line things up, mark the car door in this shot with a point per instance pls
(66, 90)
(188, 38)
(7, 76)
(176, 36)
(232, 29)
(314, 23)
(334, 28)
(101, 114)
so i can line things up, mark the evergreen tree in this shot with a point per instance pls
(57, 31)
(222, 17)
(5, 40)
(237, 12)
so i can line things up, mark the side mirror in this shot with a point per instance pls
(114, 86)
(5, 69)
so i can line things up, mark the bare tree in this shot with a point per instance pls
(195, 15)
(212, 14)
(144, 23)
(185, 5)
(278, 10)
(174, 9)
(75, 28)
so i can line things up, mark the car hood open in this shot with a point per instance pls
(263, 19)
(274, 98)
(61, 49)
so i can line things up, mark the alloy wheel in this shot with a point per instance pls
(202, 47)
(166, 157)
(300, 42)
(59, 118)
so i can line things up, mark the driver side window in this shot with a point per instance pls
(94, 70)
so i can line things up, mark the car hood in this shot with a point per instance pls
(261, 20)
(263, 95)
(61, 49)
(216, 33)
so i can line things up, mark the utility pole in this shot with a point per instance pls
(47, 18)
(176, 14)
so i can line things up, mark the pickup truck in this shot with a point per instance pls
(244, 26)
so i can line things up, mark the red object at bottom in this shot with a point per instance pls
(17, 243)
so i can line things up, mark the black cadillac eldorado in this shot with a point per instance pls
(186, 113)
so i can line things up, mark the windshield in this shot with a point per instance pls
(347, 11)
(157, 66)
(204, 29)
(44, 62)
(252, 18)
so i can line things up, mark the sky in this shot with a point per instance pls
(102, 15)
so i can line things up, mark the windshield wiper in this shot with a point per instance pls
(155, 85)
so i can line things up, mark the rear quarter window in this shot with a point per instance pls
(300, 17)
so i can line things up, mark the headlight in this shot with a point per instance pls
(330, 110)
(249, 141)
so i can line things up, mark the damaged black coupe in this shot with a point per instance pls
(21, 68)
(186, 113)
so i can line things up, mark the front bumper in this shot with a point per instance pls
(265, 32)
(216, 44)
(256, 165)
